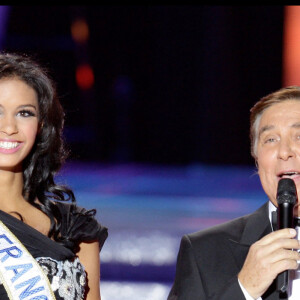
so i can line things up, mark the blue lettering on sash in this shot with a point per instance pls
(3, 236)
(30, 283)
(9, 253)
(24, 268)
(15, 252)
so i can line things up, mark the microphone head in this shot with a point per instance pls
(286, 191)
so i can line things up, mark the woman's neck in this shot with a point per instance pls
(11, 187)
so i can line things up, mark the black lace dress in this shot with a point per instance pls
(66, 275)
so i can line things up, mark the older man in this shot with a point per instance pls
(241, 259)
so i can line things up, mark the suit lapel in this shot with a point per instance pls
(256, 226)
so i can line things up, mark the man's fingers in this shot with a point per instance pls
(283, 254)
(282, 243)
(286, 264)
(287, 233)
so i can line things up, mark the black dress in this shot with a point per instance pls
(64, 271)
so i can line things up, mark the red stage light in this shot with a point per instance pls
(85, 77)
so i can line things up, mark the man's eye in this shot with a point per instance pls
(270, 140)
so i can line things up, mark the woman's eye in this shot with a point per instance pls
(26, 113)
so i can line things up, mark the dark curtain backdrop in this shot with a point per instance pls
(173, 84)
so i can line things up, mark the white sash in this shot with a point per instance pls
(21, 275)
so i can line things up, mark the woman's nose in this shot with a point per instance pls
(8, 125)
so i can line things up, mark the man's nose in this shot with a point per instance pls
(286, 150)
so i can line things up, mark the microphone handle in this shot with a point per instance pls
(284, 220)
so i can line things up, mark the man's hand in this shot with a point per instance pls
(267, 258)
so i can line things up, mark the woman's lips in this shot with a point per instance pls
(7, 147)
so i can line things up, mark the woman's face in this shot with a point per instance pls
(18, 122)
(278, 147)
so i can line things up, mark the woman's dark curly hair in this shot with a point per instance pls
(48, 152)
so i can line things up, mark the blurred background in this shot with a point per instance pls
(157, 101)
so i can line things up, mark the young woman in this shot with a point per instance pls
(49, 247)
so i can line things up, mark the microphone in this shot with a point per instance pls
(286, 199)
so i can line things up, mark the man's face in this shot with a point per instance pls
(278, 147)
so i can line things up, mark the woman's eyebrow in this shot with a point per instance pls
(24, 105)
(27, 105)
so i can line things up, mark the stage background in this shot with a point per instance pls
(157, 101)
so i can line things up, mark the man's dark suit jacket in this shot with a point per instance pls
(209, 260)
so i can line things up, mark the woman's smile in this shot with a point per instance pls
(18, 121)
(7, 147)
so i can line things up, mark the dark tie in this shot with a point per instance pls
(296, 221)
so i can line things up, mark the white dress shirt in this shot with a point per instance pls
(294, 275)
